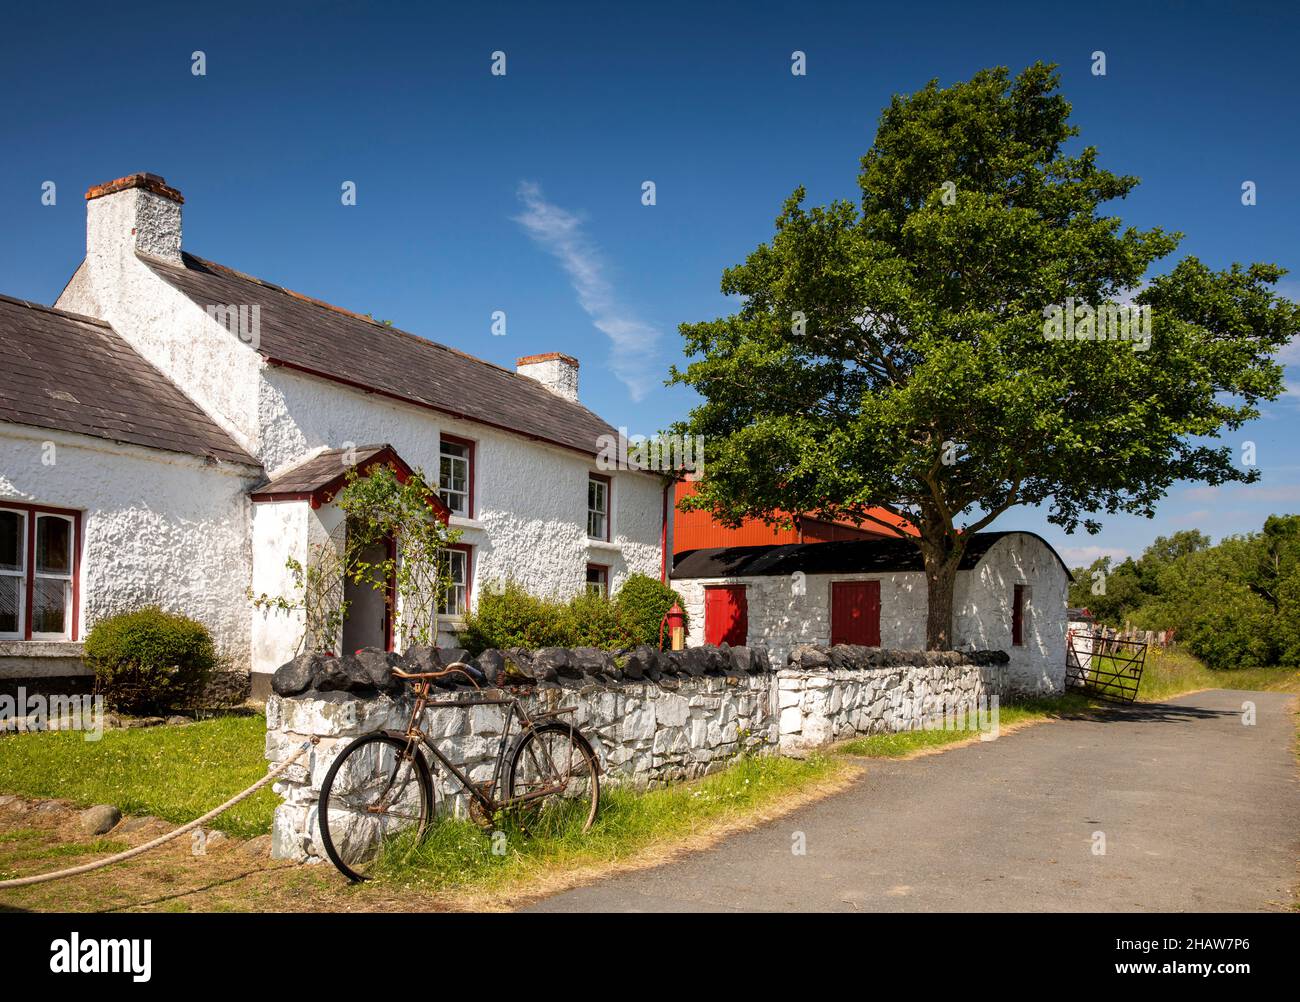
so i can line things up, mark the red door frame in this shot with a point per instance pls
(855, 613)
(735, 631)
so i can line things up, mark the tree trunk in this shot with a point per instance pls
(941, 562)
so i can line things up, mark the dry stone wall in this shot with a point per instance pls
(652, 718)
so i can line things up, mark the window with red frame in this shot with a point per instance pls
(598, 579)
(456, 475)
(598, 489)
(1018, 616)
(459, 568)
(38, 572)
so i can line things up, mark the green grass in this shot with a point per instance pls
(1170, 672)
(456, 855)
(175, 773)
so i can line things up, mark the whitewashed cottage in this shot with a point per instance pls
(172, 431)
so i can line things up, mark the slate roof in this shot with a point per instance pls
(72, 373)
(849, 556)
(320, 470)
(333, 343)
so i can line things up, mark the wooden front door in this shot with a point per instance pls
(726, 615)
(855, 613)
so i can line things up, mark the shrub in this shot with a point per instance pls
(148, 660)
(508, 616)
(644, 601)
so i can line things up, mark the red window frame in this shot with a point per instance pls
(470, 448)
(604, 569)
(609, 505)
(1018, 616)
(29, 585)
(469, 575)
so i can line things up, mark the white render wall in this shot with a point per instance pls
(780, 617)
(158, 528)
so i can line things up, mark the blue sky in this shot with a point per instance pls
(522, 193)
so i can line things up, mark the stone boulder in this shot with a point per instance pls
(99, 819)
(344, 674)
(298, 675)
(378, 667)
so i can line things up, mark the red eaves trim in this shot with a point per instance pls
(426, 406)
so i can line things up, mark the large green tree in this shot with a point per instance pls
(892, 353)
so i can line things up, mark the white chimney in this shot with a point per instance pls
(556, 371)
(134, 213)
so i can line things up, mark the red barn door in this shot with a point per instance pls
(855, 613)
(726, 615)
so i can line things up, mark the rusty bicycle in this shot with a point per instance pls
(380, 787)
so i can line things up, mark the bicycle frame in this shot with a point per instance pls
(515, 708)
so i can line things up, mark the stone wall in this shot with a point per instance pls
(682, 716)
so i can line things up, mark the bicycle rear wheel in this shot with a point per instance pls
(554, 767)
(377, 793)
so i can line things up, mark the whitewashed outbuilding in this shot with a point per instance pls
(1010, 595)
(172, 486)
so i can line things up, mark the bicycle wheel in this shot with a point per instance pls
(554, 766)
(379, 788)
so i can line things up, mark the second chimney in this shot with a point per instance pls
(556, 371)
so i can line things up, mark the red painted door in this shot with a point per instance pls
(726, 615)
(855, 613)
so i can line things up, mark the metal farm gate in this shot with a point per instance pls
(1107, 667)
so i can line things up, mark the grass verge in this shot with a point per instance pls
(175, 773)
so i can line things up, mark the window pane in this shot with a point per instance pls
(53, 545)
(13, 526)
(9, 591)
(453, 603)
(50, 605)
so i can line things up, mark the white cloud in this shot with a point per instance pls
(560, 233)
(1083, 556)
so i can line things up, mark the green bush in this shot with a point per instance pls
(149, 660)
(508, 616)
(644, 601)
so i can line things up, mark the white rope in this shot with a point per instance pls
(41, 878)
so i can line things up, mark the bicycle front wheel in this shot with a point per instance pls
(377, 795)
(554, 781)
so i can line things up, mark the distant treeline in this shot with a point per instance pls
(1234, 605)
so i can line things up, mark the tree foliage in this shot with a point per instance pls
(1234, 604)
(891, 353)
